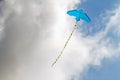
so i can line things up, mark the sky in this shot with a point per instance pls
(109, 70)
(33, 32)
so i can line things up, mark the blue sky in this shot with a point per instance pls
(95, 9)
(110, 69)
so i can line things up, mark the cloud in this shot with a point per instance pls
(29, 37)
(107, 46)
(33, 33)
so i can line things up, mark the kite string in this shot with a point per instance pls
(65, 45)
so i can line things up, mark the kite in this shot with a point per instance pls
(78, 14)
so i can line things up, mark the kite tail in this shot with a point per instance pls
(65, 45)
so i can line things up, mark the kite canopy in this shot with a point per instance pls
(79, 14)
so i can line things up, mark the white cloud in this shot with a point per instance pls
(29, 41)
(108, 46)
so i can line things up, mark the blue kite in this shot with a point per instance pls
(79, 14)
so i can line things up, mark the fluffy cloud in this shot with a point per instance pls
(29, 38)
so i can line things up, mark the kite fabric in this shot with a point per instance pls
(79, 14)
